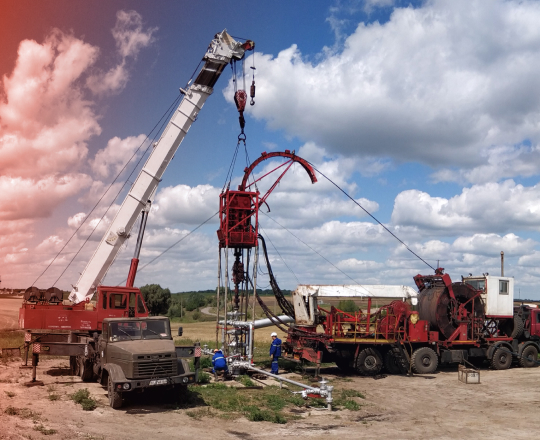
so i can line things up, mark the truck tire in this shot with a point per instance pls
(513, 327)
(391, 363)
(85, 370)
(424, 360)
(180, 393)
(368, 362)
(73, 366)
(502, 359)
(115, 397)
(529, 357)
(344, 364)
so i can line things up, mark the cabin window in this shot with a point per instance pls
(503, 287)
(538, 318)
(104, 299)
(477, 284)
(140, 305)
(117, 301)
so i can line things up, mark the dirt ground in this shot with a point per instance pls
(436, 406)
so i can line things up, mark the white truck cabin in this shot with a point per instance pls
(498, 294)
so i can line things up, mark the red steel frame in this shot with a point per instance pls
(83, 316)
(236, 208)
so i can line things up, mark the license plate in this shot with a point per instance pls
(158, 382)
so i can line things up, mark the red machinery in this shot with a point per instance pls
(239, 212)
(239, 231)
(451, 325)
(111, 302)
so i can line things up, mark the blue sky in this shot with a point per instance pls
(426, 112)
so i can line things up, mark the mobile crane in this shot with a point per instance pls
(112, 337)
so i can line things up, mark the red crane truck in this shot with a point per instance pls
(106, 330)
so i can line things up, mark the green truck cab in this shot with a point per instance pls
(133, 354)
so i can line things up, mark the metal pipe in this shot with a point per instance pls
(323, 391)
(502, 264)
(250, 343)
(218, 292)
(275, 376)
(223, 345)
(255, 262)
(261, 323)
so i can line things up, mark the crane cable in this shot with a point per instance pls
(101, 198)
(314, 250)
(371, 215)
(167, 113)
(174, 244)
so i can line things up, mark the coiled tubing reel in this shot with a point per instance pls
(449, 306)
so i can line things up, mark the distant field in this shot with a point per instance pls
(9, 312)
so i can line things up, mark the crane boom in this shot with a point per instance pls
(222, 50)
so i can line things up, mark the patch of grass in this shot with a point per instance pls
(10, 393)
(206, 362)
(204, 377)
(351, 405)
(23, 413)
(198, 414)
(44, 430)
(246, 381)
(11, 338)
(345, 393)
(11, 411)
(51, 389)
(267, 404)
(256, 414)
(83, 398)
(344, 399)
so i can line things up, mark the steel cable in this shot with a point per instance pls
(372, 216)
(101, 198)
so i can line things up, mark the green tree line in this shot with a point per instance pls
(160, 301)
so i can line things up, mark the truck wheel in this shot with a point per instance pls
(529, 357)
(344, 364)
(513, 327)
(369, 362)
(501, 359)
(180, 393)
(73, 366)
(115, 397)
(85, 370)
(391, 363)
(424, 361)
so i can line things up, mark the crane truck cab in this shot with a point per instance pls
(133, 354)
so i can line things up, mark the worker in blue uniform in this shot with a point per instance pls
(219, 363)
(275, 352)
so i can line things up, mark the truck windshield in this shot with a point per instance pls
(132, 330)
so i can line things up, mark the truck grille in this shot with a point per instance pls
(166, 367)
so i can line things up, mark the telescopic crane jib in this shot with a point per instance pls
(222, 50)
(44, 314)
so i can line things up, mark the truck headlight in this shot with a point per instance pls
(126, 386)
(185, 379)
